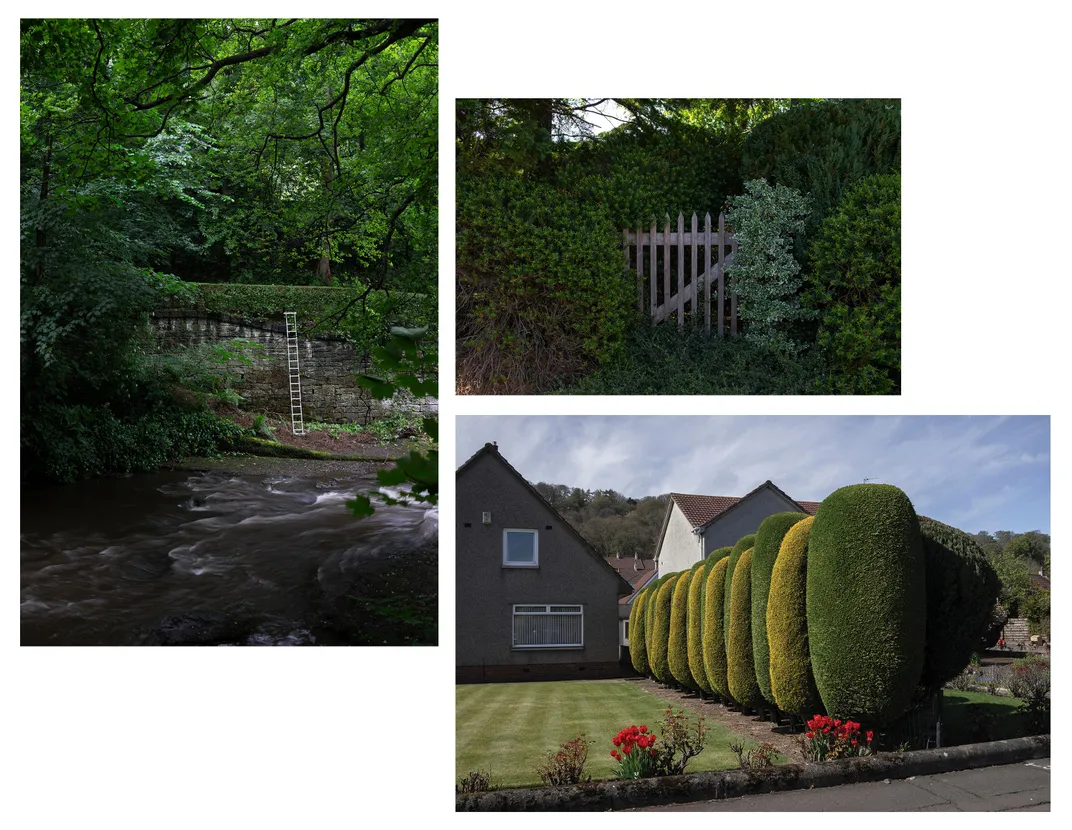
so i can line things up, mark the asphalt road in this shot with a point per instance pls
(1023, 787)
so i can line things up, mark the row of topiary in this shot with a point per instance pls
(861, 611)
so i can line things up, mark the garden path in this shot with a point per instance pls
(747, 726)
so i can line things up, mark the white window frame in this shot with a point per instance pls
(535, 563)
(546, 612)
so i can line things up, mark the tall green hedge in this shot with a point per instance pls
(962, 589)
(638, 649)
(792, 683)
(768, 542)
(678, 646)
(740, 668)
(866, 602)
(822, 148)
(697, 584)
(853, 288)
(652, 591)
(742, 545)
(714, 643)
(658, 654)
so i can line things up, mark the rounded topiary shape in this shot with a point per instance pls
(714, 644)
(695, 623)
(740, 669)
(678, 646)
(866, 602)
(735, 554)
(962, 590)
(649, 616)
(638, 648)
(658, 654)
(792, 683)
(768, 541)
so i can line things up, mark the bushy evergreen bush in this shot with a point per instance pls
(652, 590)
(792, 683)
(540, 287)
(962, 589)
(742, 545)
(678, 646)
(658, 653)
(854, 288)
(866, 602)
(822, 148)
(768, 542)
(697, 584)
(638, 648)
(714, 642)
(740, 667)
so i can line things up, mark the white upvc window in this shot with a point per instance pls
(548, 626)
(521, 548)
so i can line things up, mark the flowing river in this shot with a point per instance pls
(202, 558)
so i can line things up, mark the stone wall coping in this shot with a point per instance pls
(177, 313)
(707, 786)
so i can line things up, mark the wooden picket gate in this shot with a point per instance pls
(689, 285)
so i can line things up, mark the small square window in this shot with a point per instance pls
(520, 548)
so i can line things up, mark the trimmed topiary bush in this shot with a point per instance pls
(649, 615)
(740, 669)
(768, 542)
(638, 648)
(735, 553)
(854, 288)
(714, 644)
(866, 602)
(658, 653)
(792, 683)
(697, 584)
(678, 646)
(962, 589)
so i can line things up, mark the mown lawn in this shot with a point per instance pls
(973, 717)
(507, 729)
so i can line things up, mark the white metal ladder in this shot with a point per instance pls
(297, 424)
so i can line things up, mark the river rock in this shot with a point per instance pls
(199, 628)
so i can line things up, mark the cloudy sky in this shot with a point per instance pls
(976, 473)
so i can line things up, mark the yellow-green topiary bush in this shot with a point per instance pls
(740, 669)
(714, 646)
(678, 646)
(697, 585)
(768, 541)
(742, 545)
(792, 683)
(658, 654)
(638, 649)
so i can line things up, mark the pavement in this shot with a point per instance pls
(1019, 787)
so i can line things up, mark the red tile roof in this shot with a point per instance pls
(700, 510)
(628, 569)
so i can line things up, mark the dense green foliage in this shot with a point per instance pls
(638, 647)
(791, 680)
(678, 646)
(652, 591)
(659, 650)
(854, 288)
(714, 642)
(740, 667)
(208, 150)
(765, 276)
(768, 542)
(866, 602)
(742, 545)
(823, 148)
(697, 585)
(659, 360)
(962, 588)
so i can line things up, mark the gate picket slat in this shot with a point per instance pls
(680, 270)
(640, 269)
(721, 274)
(666, 268)
(653, 274)
(733, 294)
(695, 275)
(707, 275)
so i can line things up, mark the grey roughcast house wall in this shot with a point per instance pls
(492, 594)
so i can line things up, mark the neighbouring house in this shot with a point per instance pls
(696, 525)
(638, 572)
(534, 600)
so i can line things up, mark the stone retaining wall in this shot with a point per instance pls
(328, 367)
